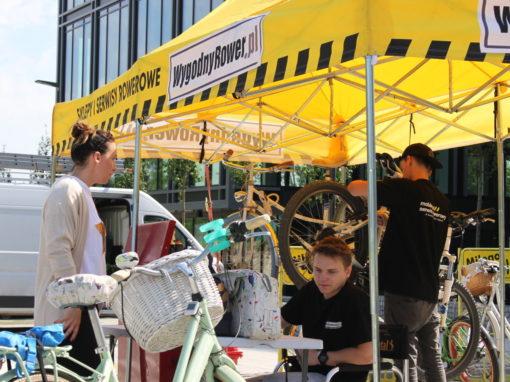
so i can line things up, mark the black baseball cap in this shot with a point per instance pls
(423, 152)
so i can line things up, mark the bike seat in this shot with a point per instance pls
(80, 290)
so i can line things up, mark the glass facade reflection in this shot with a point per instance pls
(99, 40)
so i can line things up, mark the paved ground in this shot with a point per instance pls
(254, 362)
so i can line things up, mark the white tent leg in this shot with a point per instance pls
(134, 223)
(372, 214)
(136, 185)
(501, 233)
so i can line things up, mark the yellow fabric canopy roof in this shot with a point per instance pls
(279, 80)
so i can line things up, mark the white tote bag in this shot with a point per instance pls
(253, 303)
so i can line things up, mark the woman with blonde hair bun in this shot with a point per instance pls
(73, 236)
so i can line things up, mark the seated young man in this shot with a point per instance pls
(333, 310)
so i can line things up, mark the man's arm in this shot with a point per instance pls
(358, 188)
(359, 355)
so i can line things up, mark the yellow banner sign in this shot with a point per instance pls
(471, 255)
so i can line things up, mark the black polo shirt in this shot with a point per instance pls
(414, 239)
(342, 321)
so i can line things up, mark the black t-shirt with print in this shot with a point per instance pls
(341, 321)
(414, 239)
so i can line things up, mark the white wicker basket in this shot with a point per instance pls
(152, 308)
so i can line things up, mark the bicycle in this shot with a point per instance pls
(484, 285)
(261, 255)
(208, 358)
(201, 355)
(460, 343)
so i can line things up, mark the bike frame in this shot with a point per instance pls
(447, 272)
(104, 372)
(491, 312)
(208, 358)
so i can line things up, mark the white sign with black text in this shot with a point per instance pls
(216, 58)
(494, 21)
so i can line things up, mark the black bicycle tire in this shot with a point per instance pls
(62, 376)
(274, 259)
(472, 346)
(290, 209)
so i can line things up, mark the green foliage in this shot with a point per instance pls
(125, 180)
(182, 172)
(43, 148)
(44, 145)
(238, 177)
(481, 166)
(156, 175)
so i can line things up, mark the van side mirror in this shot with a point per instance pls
(127, 260)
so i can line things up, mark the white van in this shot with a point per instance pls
(20, 219)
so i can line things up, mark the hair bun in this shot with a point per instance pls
(81, 131)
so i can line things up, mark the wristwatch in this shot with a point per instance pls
(323, 357)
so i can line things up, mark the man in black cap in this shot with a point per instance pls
(410, 254)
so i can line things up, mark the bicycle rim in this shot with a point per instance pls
(254, 253)
(484, 366)
(462, 334)
(318, 205)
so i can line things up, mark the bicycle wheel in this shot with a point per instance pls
(255, 253)
(462, 334)
(316, 206)
(484, 366)
(37, 377)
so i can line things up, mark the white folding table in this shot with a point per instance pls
(284, 342)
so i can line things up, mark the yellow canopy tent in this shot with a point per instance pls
(287, 79)
(307, 83)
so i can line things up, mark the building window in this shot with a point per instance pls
(78, 42)
(155, 21)
(75, 3)
(113, 42)
(194, 10)
(214, 173)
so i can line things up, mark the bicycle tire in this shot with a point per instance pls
(37, 377)
(469, 313)
(271, 268)
(354, 206)
(485, 349)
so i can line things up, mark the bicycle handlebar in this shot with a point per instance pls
(460, 220)
(236, 229)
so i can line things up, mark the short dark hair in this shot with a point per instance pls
(335, 247)
(88, 140)
(421, 161)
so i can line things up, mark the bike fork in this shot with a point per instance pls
(448, 282)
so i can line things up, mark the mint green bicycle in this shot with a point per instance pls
(202, 357)
(185, 280)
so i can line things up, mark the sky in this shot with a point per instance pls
(28, 41)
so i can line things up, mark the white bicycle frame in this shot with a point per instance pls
(447, 271)
(491, 313)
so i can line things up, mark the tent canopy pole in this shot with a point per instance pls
(501, 230)
(372, 214)
(136, 186)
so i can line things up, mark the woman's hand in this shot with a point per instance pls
(71, 321)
